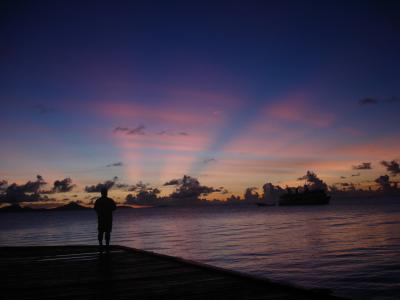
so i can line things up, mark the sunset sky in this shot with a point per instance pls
(234, 93)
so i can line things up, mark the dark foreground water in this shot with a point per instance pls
(350, 246)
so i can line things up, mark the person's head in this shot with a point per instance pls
(104, 192)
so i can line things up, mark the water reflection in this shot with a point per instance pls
(353, 250)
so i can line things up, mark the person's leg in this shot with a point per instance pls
(100, 237)
(108, 237)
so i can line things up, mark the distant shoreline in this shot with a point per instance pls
(74, 206)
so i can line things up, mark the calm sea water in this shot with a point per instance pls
(351, 246)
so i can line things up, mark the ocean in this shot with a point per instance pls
(351, 246)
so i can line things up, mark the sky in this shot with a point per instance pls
(234, 93)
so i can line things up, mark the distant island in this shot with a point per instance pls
(188, 191)
(71, 206)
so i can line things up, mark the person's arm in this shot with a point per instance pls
(96, 206)
(111, 204)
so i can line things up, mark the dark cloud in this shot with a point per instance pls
(209, 160)
(3, 185)
(251, 194)
(342, 177)
(172, 133)
(141, 186)
(384, 182)
(117, 164)
(121, 186)
(393, 167)
(271, 192)
(29, 187)
(355, 175)
(172, 182)
(97, 188)
(313, 181)
(363, 166)
(148, 196)
(139, 130)
(21, 197)
(114, 184)
(27, 192)
(132, 187)
(368, 101)
(43, 109)
(63, 186)
(189, 187)
(145, 195)
(373, 101)
(121, 129)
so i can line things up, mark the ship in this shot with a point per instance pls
(308, 197)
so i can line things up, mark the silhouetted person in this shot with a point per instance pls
(104, 207)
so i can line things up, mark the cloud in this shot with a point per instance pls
(251, 194)
(393, 167)
(209, 160)
(384, 182)
(27, 192)
(355, 175)
(121, 129)
(63, 186)
(115, 185)
(342, 177)
(29, 187)
(363, 166)
(368, 101)
(43, 109)
(32, 191)
(139, 130)
(373, 101)
(117, 164)
(21, 197)
(147, 196)
(172, 182)
(298, 109)
(313, 181)
(3, 185)
(172, 133)
(140, 186)
(189, 188)
(97, 188)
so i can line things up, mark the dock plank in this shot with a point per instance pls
(80, 272)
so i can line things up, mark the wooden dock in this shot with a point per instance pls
(80, 272)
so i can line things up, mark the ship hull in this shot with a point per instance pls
(309, 198)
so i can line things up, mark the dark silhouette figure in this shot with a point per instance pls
(104, 207)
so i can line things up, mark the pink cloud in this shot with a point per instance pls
(166, 114)
(381, 148)
(179, 107)
(300, 112)
(298, 108)
(352, 131)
